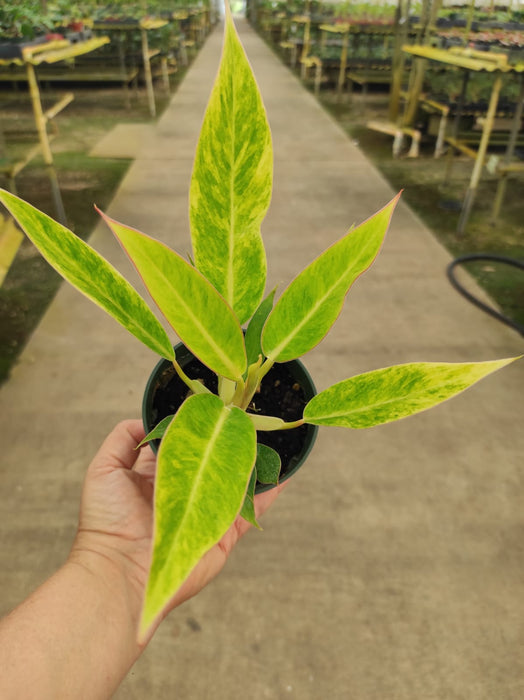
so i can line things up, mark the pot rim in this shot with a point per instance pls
(302, 375)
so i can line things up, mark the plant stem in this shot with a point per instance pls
(239, 393)
(252, 383)
(293, 424)
(193, 384)
(183, 376)
(266, 366)
(253, 386)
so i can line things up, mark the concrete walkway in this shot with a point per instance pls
(393, 566)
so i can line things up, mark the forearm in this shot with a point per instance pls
(74, 637)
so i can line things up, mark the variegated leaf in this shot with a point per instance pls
(231, 183)
(199, 315)
(385, 395)
(204, 465)
(90, 273)
(312, 302)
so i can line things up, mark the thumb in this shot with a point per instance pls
(118, 449)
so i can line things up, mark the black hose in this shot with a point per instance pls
(480, 304)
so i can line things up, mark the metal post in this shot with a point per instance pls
(481, 154)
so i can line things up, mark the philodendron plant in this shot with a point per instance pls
(208, 452)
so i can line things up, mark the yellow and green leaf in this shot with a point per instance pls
(231, 183)
(312, 302)
(389, 394)
(204, 465)
(90, 273)
(203, 320)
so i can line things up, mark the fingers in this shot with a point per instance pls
(118, 449)
(264, 500)
(146, 463)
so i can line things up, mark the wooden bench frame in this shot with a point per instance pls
(10, 239)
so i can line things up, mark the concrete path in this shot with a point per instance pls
(393, 566)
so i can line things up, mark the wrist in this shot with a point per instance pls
(77, 632)
(118, 579)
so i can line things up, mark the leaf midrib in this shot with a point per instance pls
(203, 466)
(385, 402)
(101, 298)
(201, 328)
(276, 352)
(230, 262)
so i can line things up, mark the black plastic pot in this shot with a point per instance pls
(287, 386)
(13, 48)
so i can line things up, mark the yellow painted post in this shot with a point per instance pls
(10, 240)
(307, 30)
(147, 73)
(419, 70)
(40, 120)
(510, 149)
(415, 90)
(469, 22)
(165, 74)
(481, 154)
(456, 123)
(343, 63)
(120, 38)
(397, 67)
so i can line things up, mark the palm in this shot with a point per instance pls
(116, 516)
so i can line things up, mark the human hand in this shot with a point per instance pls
(116, 517)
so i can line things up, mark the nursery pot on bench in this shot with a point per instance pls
(284, 392)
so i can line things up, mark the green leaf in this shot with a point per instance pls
(311, 303)
(90, 273)
(254, 329)
(158, 431)
(204, 465)
(395, 392)
(231, 183)
(248, 507)
(268, 465)
(199, 315)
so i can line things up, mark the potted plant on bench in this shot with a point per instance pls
(21, 25)
(208, 459)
